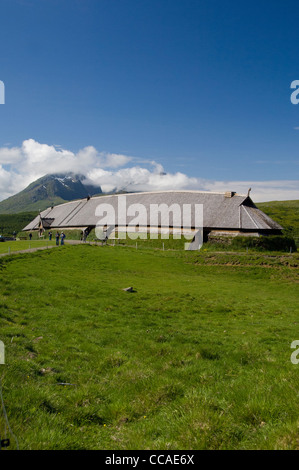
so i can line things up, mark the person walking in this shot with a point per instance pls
(50, 236)
(57, 238)
(30, 236)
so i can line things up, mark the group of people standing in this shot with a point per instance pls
(57, 236)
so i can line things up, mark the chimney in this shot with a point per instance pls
(229, 194)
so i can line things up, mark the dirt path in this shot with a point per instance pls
(29, 250)
(38, 248)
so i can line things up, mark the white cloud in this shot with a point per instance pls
(10, 155)
(5, 183)
(113, 160)
(261, 191)
(19, 166)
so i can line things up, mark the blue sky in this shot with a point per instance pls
(200, 87)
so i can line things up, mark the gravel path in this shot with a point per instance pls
(32, 250)
(29, 250)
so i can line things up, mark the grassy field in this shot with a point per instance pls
(285, 213)
(12, 246)
(198, 357)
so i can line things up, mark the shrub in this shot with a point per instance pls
(264, 243)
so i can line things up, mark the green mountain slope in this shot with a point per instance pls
(286, 213)
(10, 223)
(46, 191)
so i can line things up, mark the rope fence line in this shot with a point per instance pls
(139, 244)
(28, 250)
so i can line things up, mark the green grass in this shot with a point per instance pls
(10, 223)
(279, 244)
(12, 246)
(285, 213)
(197, 358)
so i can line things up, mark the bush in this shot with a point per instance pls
(264, 243)
(10, 223)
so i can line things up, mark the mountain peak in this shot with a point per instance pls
(51, 189)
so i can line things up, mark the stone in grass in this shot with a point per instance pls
(35, 340)
(129, 289)
(48, 370)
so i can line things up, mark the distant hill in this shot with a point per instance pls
(48, 190)
(10, 223)
(286, 213)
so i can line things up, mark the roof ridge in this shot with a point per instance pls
(196, 191)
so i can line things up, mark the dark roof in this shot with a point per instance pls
(220, 211)
(46, 222)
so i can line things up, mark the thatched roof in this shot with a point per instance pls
(220, 210)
